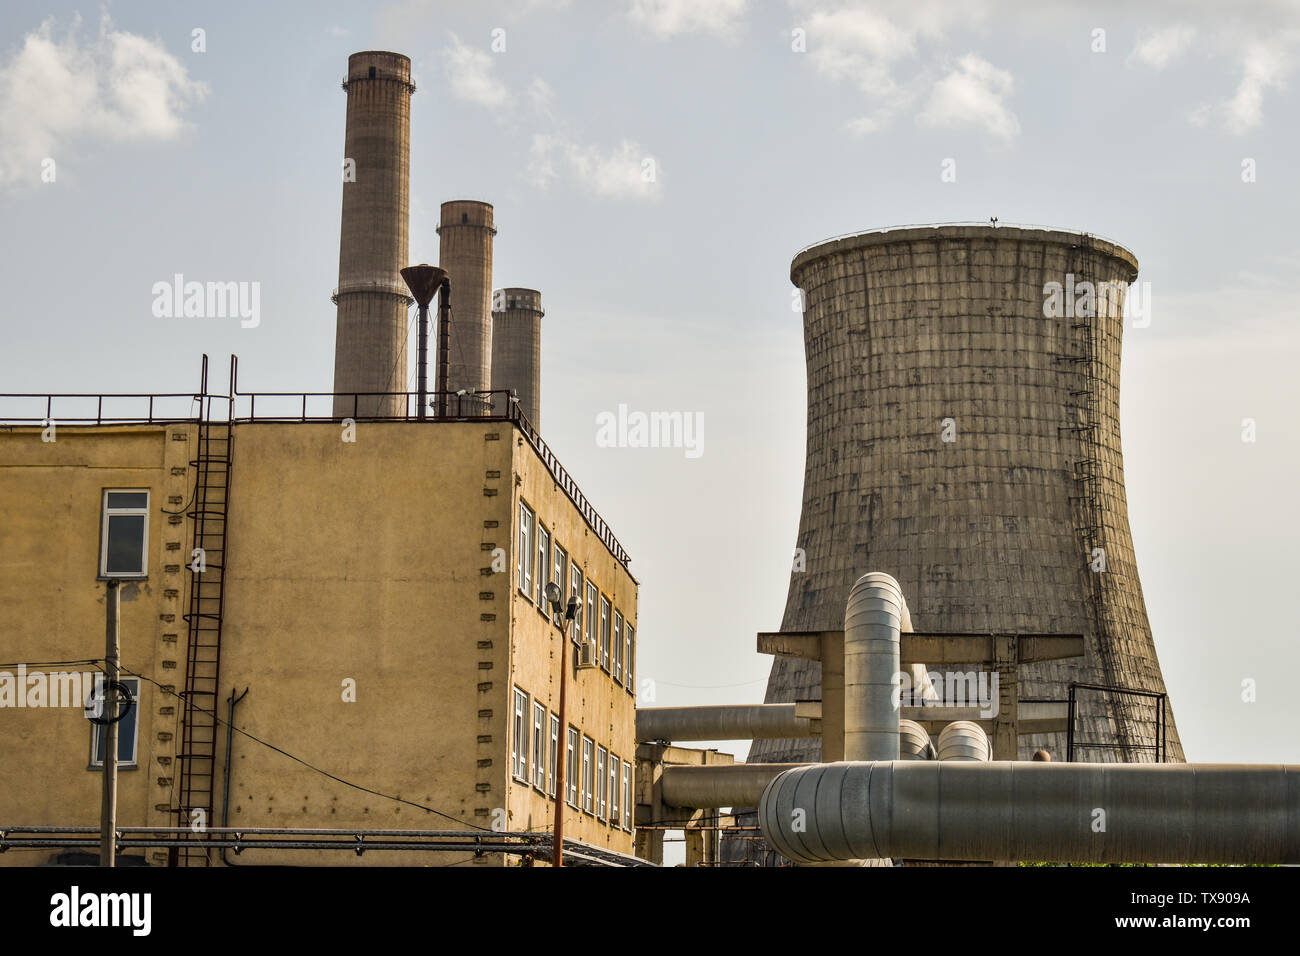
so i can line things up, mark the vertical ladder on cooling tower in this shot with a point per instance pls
(196, 761)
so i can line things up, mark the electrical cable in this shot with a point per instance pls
(297, 759)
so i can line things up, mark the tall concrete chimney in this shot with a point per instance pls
(370, 337)
(517, 348)
(465, 234)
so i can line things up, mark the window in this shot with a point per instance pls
(555, 753)
(592, 593)
(627, 795)
(525, 560)
(126, 729)
(519, 745)
(601, 781)
(543, 567)
(613, 790)
(629, 655)
(124, 535)
(575, 590)
(571, 768)
(559, 568)
(539, 746)
(618, 646)
(604, 632)
(588, 755)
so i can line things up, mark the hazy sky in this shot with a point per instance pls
(673, 294)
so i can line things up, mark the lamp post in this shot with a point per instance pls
(561, 621)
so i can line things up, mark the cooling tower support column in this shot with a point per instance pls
(372, 300)
(465, 233)
(517, 348)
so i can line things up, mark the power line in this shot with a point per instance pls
(297, 759)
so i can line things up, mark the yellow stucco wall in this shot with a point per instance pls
(365, 569)
(596, 705)
(54, 610)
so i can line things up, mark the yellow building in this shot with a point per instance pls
(376, 589)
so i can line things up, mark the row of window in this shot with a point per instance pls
(597, 781)
(601, 626)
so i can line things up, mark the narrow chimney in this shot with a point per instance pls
(517, 348)
(370, 337)
(465, 234)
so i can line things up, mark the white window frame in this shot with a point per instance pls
(554, 738)
(559, 569)
(627, 795)
(629, 655)
(602, 781)
(604, 633)
(593, 593)
(542, 573)
(105, 513)
(519, 735)
(96, 758)
(577, 583)
(588, 760)
(614, 785)
(572, 771)
(524, 564)
(539, 746)
(618, 646)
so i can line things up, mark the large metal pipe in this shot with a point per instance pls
(873, 619)
(964, 740)
(1002, 810)
(736, 722)
(731, 785)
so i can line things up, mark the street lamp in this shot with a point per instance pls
(561, 619)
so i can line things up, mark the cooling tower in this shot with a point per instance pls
(964, 437)
(370, 338)
(465, 250)
(517, 348)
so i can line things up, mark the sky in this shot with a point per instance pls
(654, 167)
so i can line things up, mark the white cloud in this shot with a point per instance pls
(472, 75)
(623, 172)
(57, 90)
(1161, 47)
(973, 95)
(541, 95)
(666, 18)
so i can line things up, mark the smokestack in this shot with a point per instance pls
(465, 250)
(370, 338)
(517, 348)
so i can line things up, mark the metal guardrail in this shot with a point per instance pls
(243, 408)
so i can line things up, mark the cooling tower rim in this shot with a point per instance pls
(956, 230)
(393, 53)
(507, 290)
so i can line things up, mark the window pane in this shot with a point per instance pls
(125, 544)
(128, 499)
(125, 729)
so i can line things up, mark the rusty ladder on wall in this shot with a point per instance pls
(196, 761)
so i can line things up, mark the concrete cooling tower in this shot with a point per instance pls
(370, 336)
(964, 437)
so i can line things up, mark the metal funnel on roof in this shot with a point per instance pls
(423, 281)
